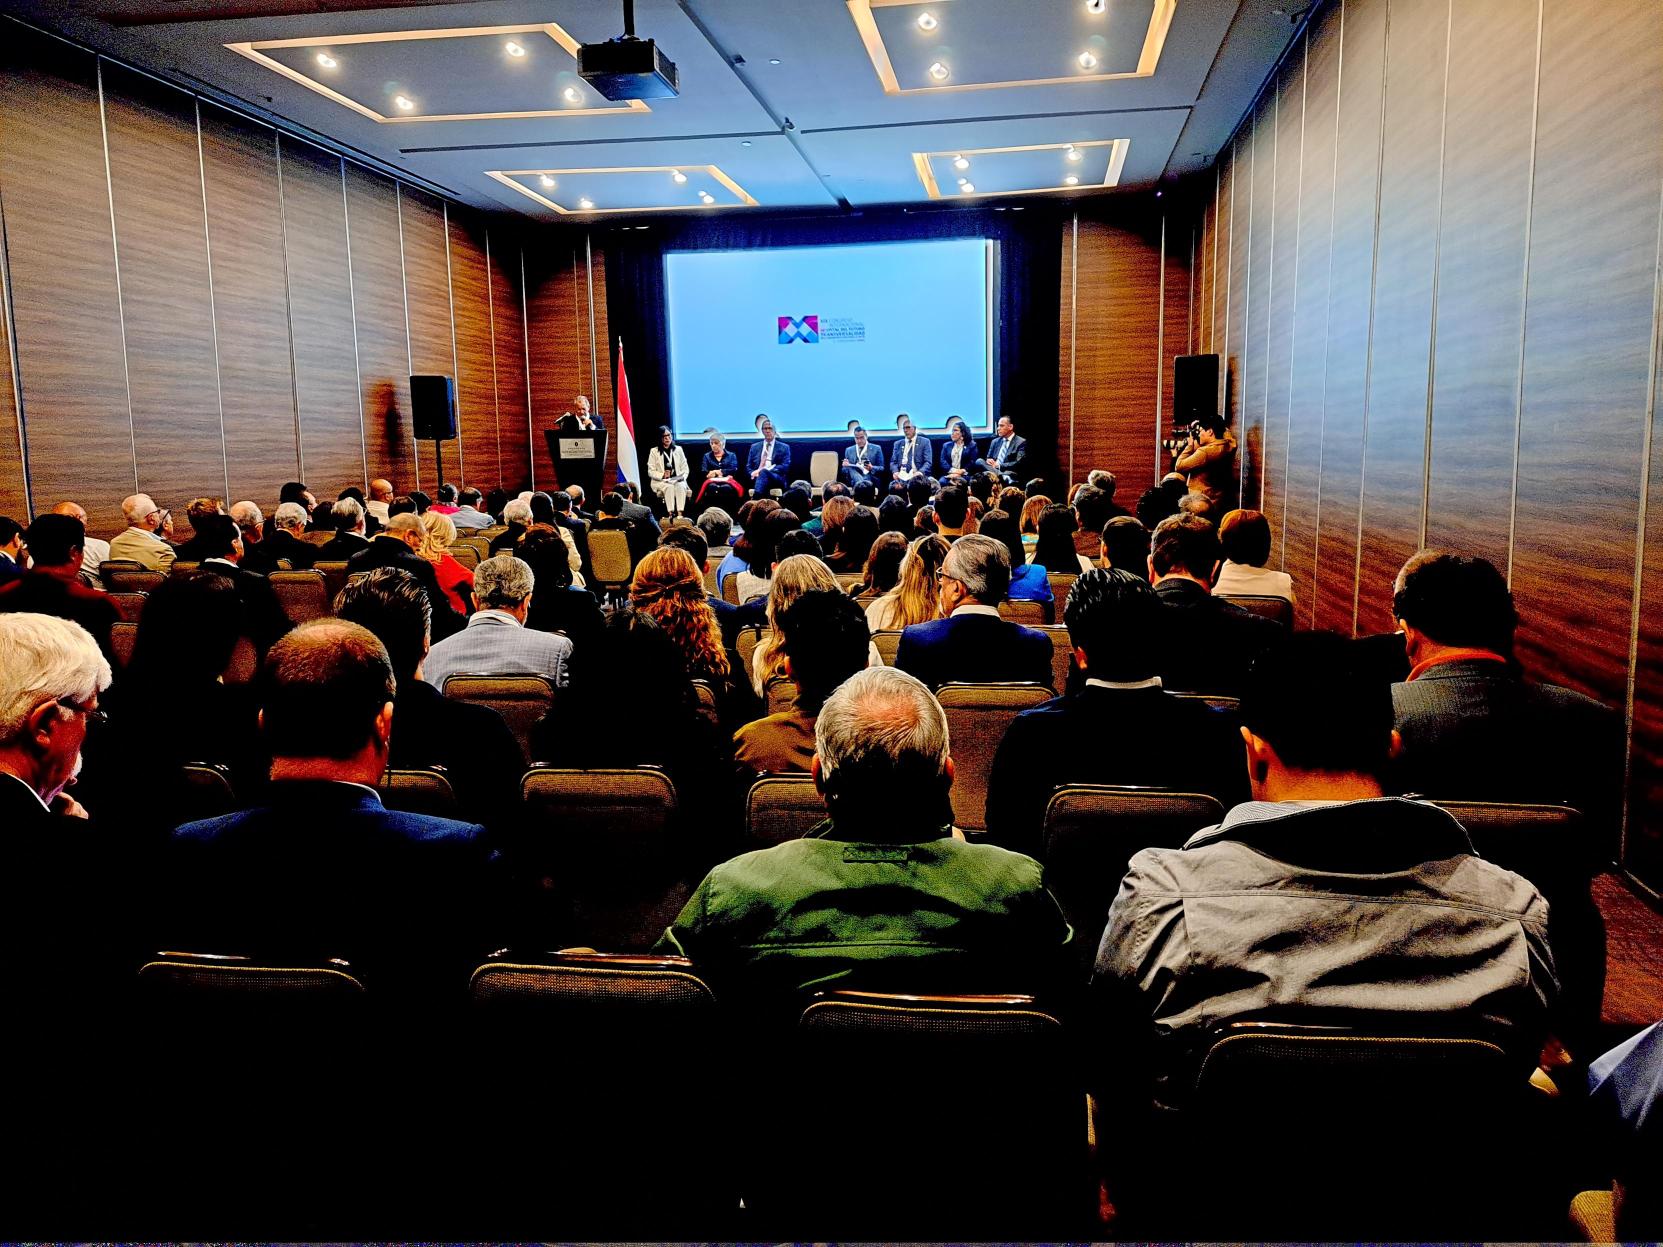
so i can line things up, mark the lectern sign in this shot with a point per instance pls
(577, 448)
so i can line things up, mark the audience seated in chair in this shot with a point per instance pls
(350, 522)
(822, 641)
(558, 605)
(883, 893)
(1208, 643)
(473, 745)
(794, 575)
(220, 542)
(1122, 727)
(496, 640)
(191, 550)
(399, 546)
(52, 585)
(729, 618)
(971, 643)
(669, 587)
(284, 543)
(144, 541)
(468, 516)
(1244, 541)
(1626, 1093)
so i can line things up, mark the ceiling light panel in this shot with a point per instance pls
(1028, 170)
(652, 188)
(994, 43)
(455, 74)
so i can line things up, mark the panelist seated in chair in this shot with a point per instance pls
(909, 457)
(959, 459)
(769, 461)
(1320, 901)
(862, 461)
(883, 895)
(719, 482)
(972, 644)
(1006, 452)
(323, 869)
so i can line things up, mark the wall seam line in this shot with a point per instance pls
(1524, 298)
(1437, 276)
(1270, 280)
(1293, 314)
(1246, 313)
(1160, 354)
(288, 312)
(455, 367)
(9, 317)
(525, 343)
(1073, 336)
(1327, 320)
(352, 303)
(409, 346)
(491, 319)
(213, 308)
(115, 255)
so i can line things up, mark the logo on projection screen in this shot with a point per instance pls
(799, 329)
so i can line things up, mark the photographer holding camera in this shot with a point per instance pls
(1208, 457)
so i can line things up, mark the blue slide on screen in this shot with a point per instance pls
(819, 336)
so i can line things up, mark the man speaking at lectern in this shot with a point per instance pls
(581, 417)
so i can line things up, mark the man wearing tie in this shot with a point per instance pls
(861, 462)
(1006, 452)
(910, 456)
(769, 461)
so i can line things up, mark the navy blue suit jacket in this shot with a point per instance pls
(974, 649)
(782, 458)
(728, 463)
(972, 459)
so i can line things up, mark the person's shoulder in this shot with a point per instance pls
(1569, 700)
(992, 866)
(429, 829)
(208, 830)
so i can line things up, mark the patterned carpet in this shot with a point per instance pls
(1634, 959)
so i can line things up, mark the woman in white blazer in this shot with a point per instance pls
(667, 471)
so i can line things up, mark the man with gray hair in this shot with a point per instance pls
(885, 894)
(142, 542)
(348, 517)
(496, 640)
(399, 545)
(51, 673)
(970, 641)
(284, 545)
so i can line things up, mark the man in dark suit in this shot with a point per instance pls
(972, 643)
(1207, 644)
(51, 673)
(1006, 452)
(909, 457)
(284, 544)
(644, 521)
(52, 585)
(862, 462)
(475, 748)
(348, 518)
(580, 417)
(191, 549)
(1473, 729)
(397, 548)
(11, 550)
(1121, 727)
(769, 461)
(323, 869)
(220, 541)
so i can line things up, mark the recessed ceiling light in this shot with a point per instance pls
(962, 181)
(1071, 180)
(1088, 61)
(939, 72)
(967, 187)
(327, 61)
(744, 142)
(404, 102)
(572, 95)
(707, 197)
(547, 181)
(960, 163)
(586, 204)
(513, 49)
(1074, 153)
(773, 60)
(1095, 6)
(926, 21)
(678, 176)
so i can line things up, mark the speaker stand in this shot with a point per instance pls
(438, 464)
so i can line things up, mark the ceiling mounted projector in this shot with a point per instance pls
(628, 68)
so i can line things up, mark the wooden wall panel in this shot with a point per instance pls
(1394, 456)
(251, 309)
(1643, 838)
(1178, 325)
(1067, 414)
(432, 327)
(1588, 339)
(559, 347)
(476, 390)
(1307, 374)
(65, 296)
(1261, 251)
(381, 326)
(508, 341)
(1206, 265)
(1220, 344)
(1351, 283)
(167, 304)
(1237, 282)
(321, 323)
(605, 365)
(14, 488)
(1284, 273)
(1485, 219)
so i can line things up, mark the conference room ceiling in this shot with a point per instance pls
(784, 104)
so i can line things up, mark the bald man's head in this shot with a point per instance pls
(73, 509)
(326, 688)
(381, 491)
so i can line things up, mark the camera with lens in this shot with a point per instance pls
(1181, 435)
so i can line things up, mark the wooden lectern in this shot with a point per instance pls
(579, 458)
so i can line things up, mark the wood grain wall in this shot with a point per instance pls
(202, 305)
(1440, 311)
(568, 346)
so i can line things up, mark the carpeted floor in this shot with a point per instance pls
(1634, 959)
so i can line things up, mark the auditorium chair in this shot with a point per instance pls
(1593, 1218)
(1092, 831)
(488, 535)
(609, 845)
(609, 556)
(822, 470)
(334, 576)
(887, 641)
(303, 594)
(1400, 1129)
(717, 555)
(1062, 657)
(730, 589)
(781, 694)
(124, 576)
(209, 977)
(522, 700)
(466, 555)
(977, 716)
(424, 790)
(1276, 608)
(624, 1134)
(745, 643)
(318, 536)
(849, 582)
(480, 546)
(244, 664)
(919, 1117)
(704, 693)
(181, 569)
(780, 808)
(1061, 583)
(1033, 614)
(1229, 705)
(207, 792)
(123, 636)
(128, 606)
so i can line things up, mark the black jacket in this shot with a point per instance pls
(262, 556)
(1207, 644)
(264, 619)
(387, 551)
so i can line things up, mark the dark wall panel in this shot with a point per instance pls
(320, 308)
(1279, 297)
(1485, 218)
(167, 304)
(1351, 284)
(475, 360)
(427, 289)
(1394, 458)
(508, 342)
(1588, 339)
(383, 339)
(251, 309)
(65, 296)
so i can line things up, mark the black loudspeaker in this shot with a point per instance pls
(1195, 388)
(433, 407)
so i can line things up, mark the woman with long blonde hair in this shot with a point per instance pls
(1028, 524)
(438, 532)
(669, 587)
(793, 577)
(914, 600)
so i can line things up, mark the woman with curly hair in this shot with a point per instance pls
(438, 532)
(914, 600)
(793, 577)
(669, 587)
